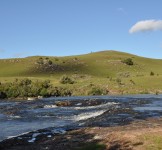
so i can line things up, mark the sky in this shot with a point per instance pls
(74, 27)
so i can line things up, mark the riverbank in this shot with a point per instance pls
(69, 96)
(33, 88)
(139, 135)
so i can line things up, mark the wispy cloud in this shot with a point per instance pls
(146, 25)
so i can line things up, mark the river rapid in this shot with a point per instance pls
(19, 117)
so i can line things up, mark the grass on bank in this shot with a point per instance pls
(153, 142)
(147, 142)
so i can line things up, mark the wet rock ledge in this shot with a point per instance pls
(127, 137)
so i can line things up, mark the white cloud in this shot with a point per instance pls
(146, 25)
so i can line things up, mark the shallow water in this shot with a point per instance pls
(19, 117)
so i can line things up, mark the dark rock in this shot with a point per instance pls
(62, 103)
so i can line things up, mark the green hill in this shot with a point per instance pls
(105, 68)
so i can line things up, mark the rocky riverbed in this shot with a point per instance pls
(78, 122)
(127, 137)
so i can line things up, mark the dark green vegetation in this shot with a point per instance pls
(128, 61)
(27, 88)
(106, 72)
(66, 80)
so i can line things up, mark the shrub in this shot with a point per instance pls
(66, 92)
(128, 61)
(25, 88)
(45, 84)
(56, 59)
(132, 82)
(13, 92)
(97, 91)
(50, 62)
(25, 82)
(40, 61)
(59, 91)
(3, 95)
(66, 80)
(44, 92)
(151, 73)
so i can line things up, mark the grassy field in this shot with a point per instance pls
(103, 69)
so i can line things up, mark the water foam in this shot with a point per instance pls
(97, 106)
(50, 106)
(87, 115)
(14, 117)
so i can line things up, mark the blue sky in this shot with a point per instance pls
(72, 27)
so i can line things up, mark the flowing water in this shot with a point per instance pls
(18, 117)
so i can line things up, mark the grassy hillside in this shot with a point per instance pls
(103, 68)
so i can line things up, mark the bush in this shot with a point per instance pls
(66, 80)
(50, 62)
(3, 95)
(25, 88)
(95, 91)
(66, 92)
(56, 59)
(60, 91)
(128, 61)
(98, 91)
(25, 82)
(151, 73)
(40, 61)
(45, 84)
(132, 82)
(13, 92)
(44, 92)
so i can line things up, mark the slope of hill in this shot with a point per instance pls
(100, 68)
(97, 64)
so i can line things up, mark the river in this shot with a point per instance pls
(18, 117)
